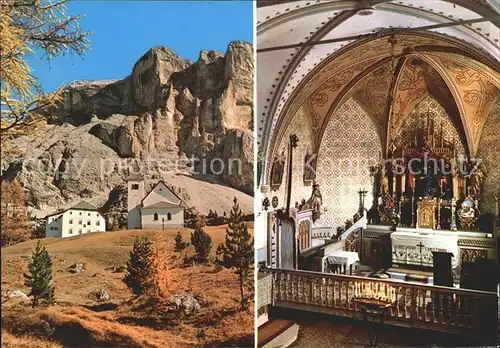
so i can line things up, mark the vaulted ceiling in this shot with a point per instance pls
(456, 65)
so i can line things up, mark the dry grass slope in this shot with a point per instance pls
(78, 321)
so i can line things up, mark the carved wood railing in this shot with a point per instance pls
(416, 305)
(361, 223)
(329, 232)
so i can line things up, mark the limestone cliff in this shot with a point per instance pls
(167, 111)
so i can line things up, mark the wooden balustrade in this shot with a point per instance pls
(416, 305)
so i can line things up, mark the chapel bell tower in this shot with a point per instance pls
(135, 194)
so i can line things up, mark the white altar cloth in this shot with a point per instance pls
(414, 248)
(341, 257)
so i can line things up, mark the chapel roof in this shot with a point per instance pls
(161, 182)
(163, 204)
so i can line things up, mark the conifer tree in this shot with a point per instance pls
(237, 251)
(180, 244)
(202, 242)
(138, 265)
(39, 277)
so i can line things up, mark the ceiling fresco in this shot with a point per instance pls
(415, 66)
(277, 86)
(476, 89)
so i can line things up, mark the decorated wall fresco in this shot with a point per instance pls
(489, 153)
(349, 147)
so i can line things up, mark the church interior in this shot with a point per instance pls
(378, 163)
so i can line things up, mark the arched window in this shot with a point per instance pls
(155, 217)
(169, 216)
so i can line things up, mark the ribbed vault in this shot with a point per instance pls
(457, 66)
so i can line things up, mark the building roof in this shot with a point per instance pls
(135, 176)
(83, 206)
(160, 205)
(168, 188)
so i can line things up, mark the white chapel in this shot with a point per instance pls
(160, 208)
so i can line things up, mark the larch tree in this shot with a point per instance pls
(159, 280)
(237, 250)
(32, 27)
(39, 277)
(15, 222)
(148, 271)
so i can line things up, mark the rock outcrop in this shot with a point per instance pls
(185, 303)
(166, 113)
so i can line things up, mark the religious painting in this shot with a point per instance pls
(277, 171)
(426, 217)
(309, 168)
(304, 233)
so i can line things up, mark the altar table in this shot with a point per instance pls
(341, 259)
(415, 248)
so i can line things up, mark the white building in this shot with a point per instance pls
(160, 208)
(80, 219)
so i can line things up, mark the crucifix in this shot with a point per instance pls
(420, 245)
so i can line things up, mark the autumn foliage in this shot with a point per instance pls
(15, 222)
(28, 27)
(148, 270)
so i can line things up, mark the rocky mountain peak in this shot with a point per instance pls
(167, 108)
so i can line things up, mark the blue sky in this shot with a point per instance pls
(124, 30)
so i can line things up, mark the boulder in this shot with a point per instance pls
(100, 295)
(185, 303)
(16, 294)
(76, 268)
(103, 295)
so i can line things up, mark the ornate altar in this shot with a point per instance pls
(426, 211)
(425, 174)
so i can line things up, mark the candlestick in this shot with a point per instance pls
(453, 221)
(438, 227)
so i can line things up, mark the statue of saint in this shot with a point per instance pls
(476, 182)
(315, 202)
